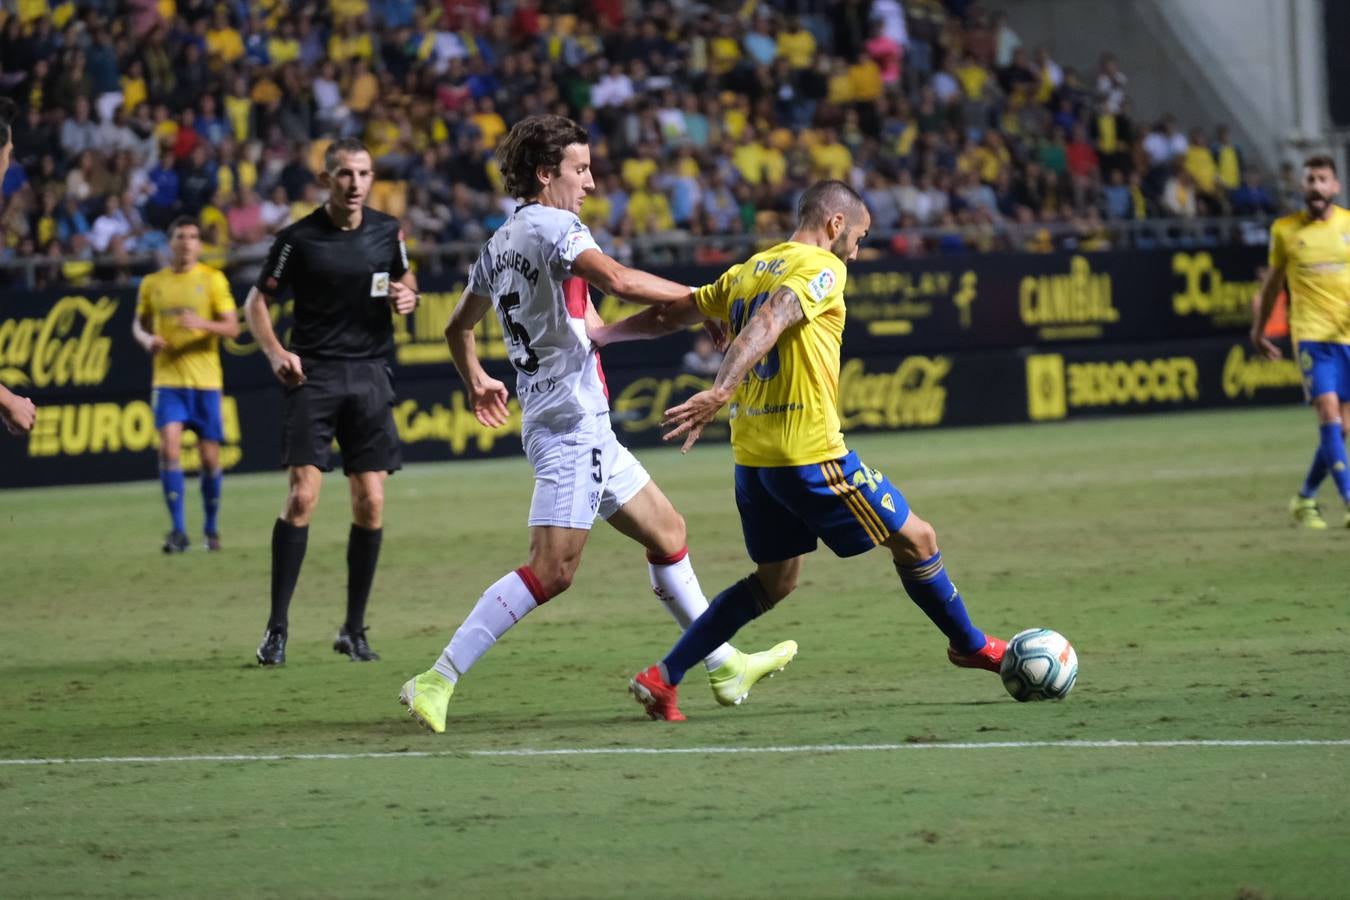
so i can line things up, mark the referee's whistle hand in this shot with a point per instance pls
(402, 298)
(286, 366)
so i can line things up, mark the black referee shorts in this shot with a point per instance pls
(351, 400)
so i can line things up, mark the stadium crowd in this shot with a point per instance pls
(702, 122)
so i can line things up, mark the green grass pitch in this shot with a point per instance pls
(1160, 546)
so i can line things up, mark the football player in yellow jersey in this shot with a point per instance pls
(796, 482)
(182, 312)
(1310, 251)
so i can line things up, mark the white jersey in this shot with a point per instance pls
(526, 268)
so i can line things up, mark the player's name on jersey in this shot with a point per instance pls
(515, 261)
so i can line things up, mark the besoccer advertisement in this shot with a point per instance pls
(928, 343)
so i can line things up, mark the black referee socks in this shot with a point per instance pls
(288, 552)
(363, 552)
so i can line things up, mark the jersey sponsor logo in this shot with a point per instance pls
(379, 284)
(819, 288)
(402, 250)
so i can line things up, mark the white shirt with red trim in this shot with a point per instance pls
(526, 268)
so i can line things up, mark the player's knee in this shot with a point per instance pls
(554, 579)
(368, 509)
(916, 542)
(300, 501)
(674, 536)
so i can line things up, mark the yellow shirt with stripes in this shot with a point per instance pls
(786, 411)
(192, 358)
(1315, 256)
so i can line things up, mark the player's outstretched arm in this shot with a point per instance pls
(487, 395)
(18, 413)
(285, 365)
(1262, 306)
(757, 338)
(652, 322)
(612, 277)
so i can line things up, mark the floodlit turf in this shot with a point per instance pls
(1160, 546)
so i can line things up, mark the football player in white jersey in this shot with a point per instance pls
(534, 271)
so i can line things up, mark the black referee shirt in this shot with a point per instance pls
(340, 280)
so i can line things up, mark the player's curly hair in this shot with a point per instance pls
(533, 142)
(8, 112)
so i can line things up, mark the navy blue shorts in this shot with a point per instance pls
(197, 410)
(785, 510)
(1326, 368)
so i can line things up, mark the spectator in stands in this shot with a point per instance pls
(731, 114)
(1111, 84)
(1179, 195)
(1252, 198)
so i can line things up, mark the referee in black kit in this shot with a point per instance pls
(348, 270)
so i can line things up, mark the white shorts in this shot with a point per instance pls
(580, 474)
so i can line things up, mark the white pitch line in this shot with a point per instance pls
(686, 751)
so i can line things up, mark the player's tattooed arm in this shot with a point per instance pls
(756, 339)
(781, 312)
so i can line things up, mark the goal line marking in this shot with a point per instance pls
(675, 751)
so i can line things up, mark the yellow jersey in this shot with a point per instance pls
(786, 411)
(1315, 256)
(192, 359)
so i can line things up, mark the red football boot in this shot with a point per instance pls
(651, 690)
(990, 656)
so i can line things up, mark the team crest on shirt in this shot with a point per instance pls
(821, 285)
(379, 284)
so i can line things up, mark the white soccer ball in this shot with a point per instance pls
(1039, 664)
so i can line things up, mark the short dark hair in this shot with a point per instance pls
(8, 111)
(536, 141)
(340, 146)
(826, 198)
(184, 222)
(1320, 161)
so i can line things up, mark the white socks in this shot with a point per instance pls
(513, 595)
(677, 586)
(504, 604)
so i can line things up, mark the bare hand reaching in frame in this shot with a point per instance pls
(693, 415)
(489, 401)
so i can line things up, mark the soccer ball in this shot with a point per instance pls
(1039, 664)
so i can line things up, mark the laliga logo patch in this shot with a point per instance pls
(379, 284)
(821, 285)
